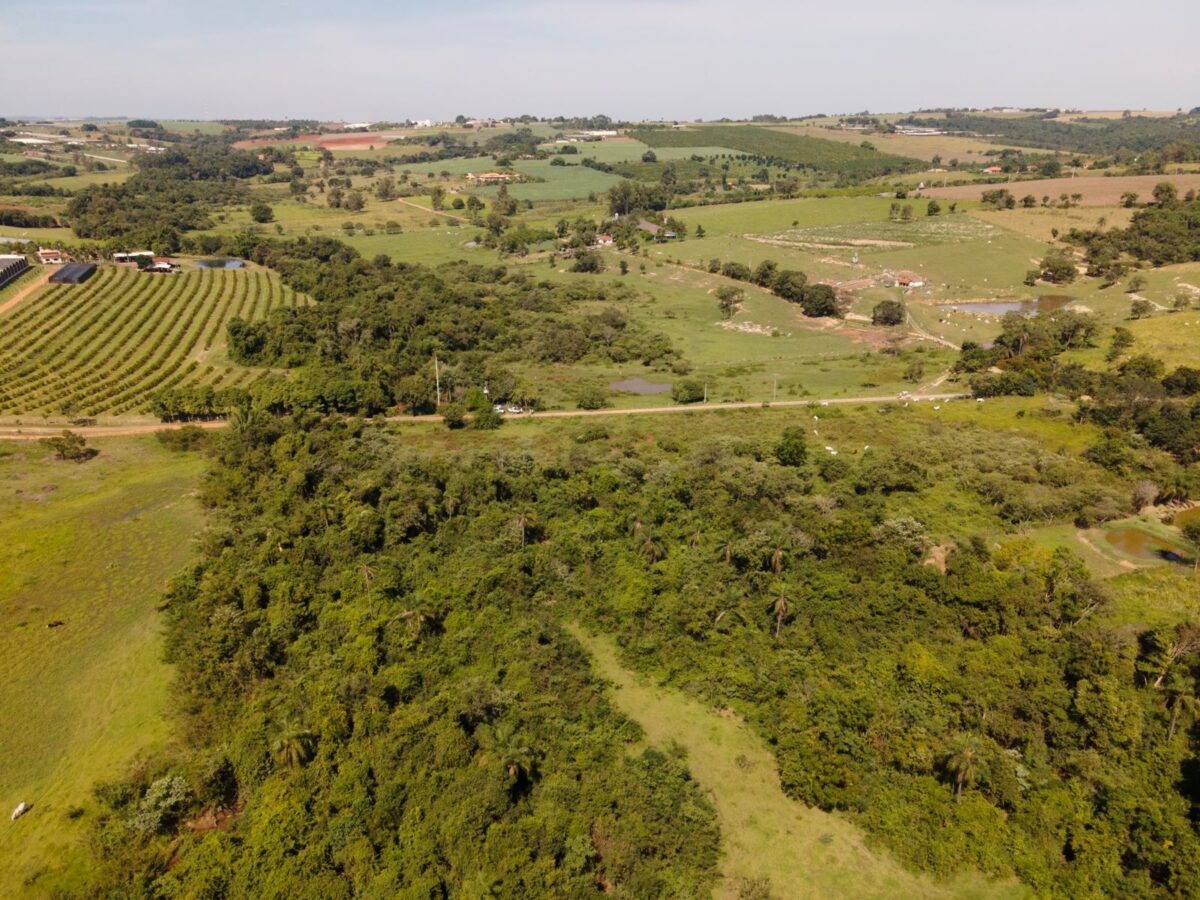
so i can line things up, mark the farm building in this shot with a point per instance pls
(73, 273)
(489, 177)
(131, 258)
(162, 265)
(49, 257)
(11, 267)
(604, 240)
(909, 280)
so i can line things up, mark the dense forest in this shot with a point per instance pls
(369, 342)
(171, 193)
(380, 698)
(1095, 136)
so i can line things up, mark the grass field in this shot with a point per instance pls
(106, 345)
(767, 838)
(92, 546)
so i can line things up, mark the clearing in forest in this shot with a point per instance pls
(770, 843)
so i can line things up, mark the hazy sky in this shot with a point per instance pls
(677, 59)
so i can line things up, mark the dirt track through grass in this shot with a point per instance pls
(803, 852)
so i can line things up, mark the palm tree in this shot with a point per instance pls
(1181, 702)
(781, 611)
(651, 550)
(963, 764)
(294, 746)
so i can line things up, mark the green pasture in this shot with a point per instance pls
(557, 182)
(92, 546)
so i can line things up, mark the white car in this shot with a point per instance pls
(515, 410)
(499, 407)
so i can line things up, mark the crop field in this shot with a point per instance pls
(883, 235)
(90, 546)
(946, 146)
(107, 345)
(809, 151)
(1097, 190)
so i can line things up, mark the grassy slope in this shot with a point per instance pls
(803, 852)
(807, 150)
(91, 545)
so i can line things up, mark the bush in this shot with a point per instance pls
(261, 213)
(792, 450)
(454, 415)
(888, 312)
(183, 440)
(487, 420)
(687, 391)
(591, 397)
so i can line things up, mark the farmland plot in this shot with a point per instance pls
(108, 345)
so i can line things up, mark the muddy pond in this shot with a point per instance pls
(1045, 303)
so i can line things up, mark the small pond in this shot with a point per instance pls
(1045, 303)
(219, 263)
(1181, 518)
(1140, 545)
(640, 386)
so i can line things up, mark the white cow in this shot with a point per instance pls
(21, 809)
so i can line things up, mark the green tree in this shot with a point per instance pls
(730, 297)
(261, 213)
(70, 446)
(792, 449)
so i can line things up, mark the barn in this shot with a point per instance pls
(11, 267)
(73, 273)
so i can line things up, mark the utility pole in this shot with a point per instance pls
(775, 388)
(706, 389)
(437, 379)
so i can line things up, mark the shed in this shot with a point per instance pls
(73, 273)
(11, 267)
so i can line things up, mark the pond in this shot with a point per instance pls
(219, 263)
(1181, 518)
(1141, 545)
(639, 386)
(1045, 303)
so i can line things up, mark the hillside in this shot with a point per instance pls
(801, 150)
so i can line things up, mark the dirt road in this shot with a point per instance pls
(27, 290)
(37, 432)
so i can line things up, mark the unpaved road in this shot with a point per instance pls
(37, 432)
(24, 292)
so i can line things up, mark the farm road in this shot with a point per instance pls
(37, 432)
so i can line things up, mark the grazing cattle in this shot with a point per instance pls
(21, 809)
(57, 623)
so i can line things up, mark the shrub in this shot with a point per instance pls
(687, 391)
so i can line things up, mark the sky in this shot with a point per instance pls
(373, 60)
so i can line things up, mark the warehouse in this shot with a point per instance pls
(11, 267)
(73, 273)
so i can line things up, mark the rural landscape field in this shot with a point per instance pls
(405, 496)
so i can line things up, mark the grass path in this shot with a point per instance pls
(90, 546)
(803, 852)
